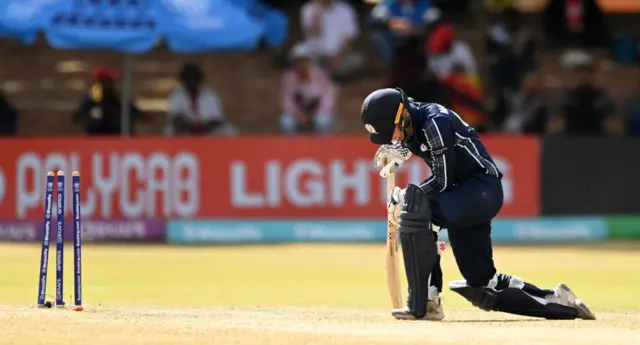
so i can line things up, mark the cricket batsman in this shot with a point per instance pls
(463, 195)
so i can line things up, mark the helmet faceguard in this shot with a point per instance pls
(403, 117)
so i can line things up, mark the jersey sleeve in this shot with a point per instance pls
(439, 135)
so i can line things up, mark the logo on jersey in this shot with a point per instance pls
(423, 148)
(370, 129)
(439, 151)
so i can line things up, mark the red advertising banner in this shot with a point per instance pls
(258, 177)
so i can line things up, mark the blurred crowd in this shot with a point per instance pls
(417, 48)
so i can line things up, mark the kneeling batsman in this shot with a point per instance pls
(409, 209)
(463, 195)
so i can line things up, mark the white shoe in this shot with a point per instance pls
(566, 297)
(435, 311)
(404, 314)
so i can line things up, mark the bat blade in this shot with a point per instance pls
(392, 252)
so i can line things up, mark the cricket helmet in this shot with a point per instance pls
(381, 111)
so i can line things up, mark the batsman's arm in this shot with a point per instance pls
(439, 136)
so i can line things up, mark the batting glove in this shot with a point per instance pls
(395, 205)
(390, 158)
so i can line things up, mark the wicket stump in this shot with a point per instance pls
(59, 179)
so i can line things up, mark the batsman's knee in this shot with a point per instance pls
(479, 296)
(507, 295)
(482, 291)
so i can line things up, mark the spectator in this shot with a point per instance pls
(585, 109)
(510, 54)
(331, 28)
(398, 23)
(510, 51)
(529, 111)
(308, 96)
(465, 97)
(8, 117)
(575, 22)
(101, 111)
(445, 51)
(408, 72)
(194, 109)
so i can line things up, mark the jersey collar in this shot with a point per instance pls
(416, 120)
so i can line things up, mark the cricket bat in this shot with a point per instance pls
(393, 274)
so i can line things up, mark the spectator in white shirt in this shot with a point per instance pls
(330, 28)
(308, 96)
(195, 109)
(445, 51)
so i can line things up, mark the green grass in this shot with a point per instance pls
(308, 294)
(605, 276)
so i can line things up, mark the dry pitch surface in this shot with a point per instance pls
(301, 294)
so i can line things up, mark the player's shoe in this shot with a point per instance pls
(403, 314)
(434, 309)
(566, 297)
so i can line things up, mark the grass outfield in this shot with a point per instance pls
(300, 294)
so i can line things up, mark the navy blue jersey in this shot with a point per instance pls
(448, 145)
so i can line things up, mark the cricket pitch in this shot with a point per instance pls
(302, 294)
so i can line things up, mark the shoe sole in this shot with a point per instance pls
(413, 318)
(409, 317)
(404, 317)
(583, 310)
(439, 317)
